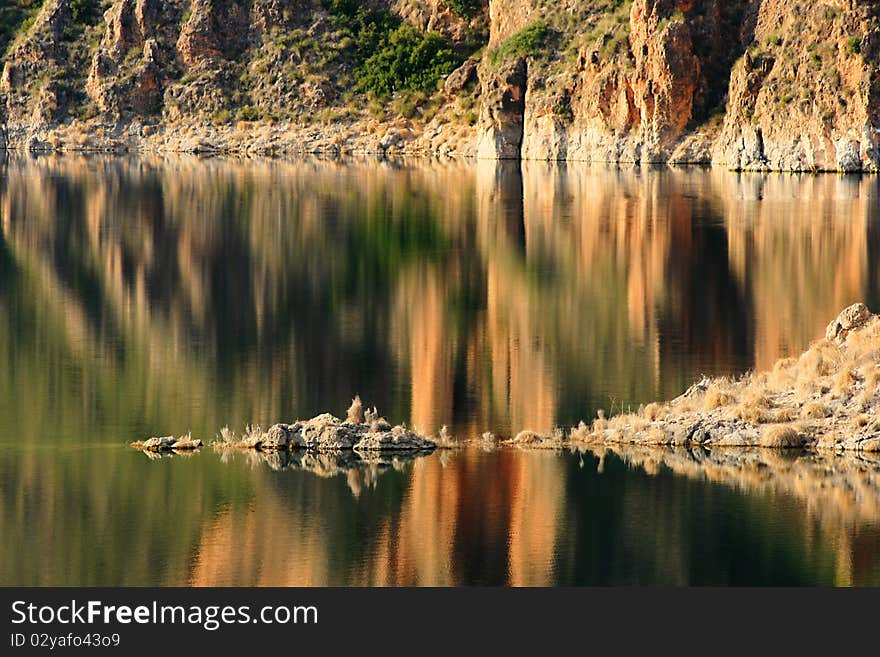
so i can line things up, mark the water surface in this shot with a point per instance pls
(154, 296)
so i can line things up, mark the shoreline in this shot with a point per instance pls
(370, 139)
(825, 400)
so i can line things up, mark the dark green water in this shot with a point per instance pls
(147, 296)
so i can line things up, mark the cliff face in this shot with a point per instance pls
(806, 95)
(754, 84)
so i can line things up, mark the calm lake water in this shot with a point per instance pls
(148, 296)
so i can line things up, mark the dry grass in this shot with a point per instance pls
(252, 433)
(783, 374)
(756, 398)
(821, 359)
(445, 439)
(355, 413)
(872, 378)
(228, 436)
(527, 437)
(844, 382)
(781, 436)
(717, 396)
(752, 414)
(833, 388)
(655, 412)
(580, 433)
(783, 415)
(815, 410)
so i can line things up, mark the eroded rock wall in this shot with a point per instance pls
(747, 84)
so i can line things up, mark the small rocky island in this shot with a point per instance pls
(361, 431)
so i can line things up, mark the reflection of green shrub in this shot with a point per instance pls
(525, 42)
(408, 60)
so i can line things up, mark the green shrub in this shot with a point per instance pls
(16, 17)
(522, 44)
(220, 117)
(407, 60)
(464, 8)
(83, 11)
(249, 113)
(854, 45)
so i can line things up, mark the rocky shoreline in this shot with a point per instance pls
(825, 400)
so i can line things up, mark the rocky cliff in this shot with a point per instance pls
(748, 84)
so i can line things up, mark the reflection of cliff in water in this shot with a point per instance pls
(538, 518)
(111, 517)
(165, 295)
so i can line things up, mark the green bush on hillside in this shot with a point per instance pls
(389, 55)
(408, 60)
(522, 44)
(464, 8)
(854, 45)
(16, 16)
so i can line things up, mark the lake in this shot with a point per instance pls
(151, 295)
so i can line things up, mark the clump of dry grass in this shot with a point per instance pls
(580, 433)
(528, 437)
(844, 381)
(355, 413)
(445, 439)
(654, 412)
(657, 436)
(751, 414)
(600, 423)
(863, 420)
(756, 398)
(781, 436)
(804, 388)
(717, 396)
(821, 359)
(783, 374)
(815, 410)
(789, 414)
(872, 378)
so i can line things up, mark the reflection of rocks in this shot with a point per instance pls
(361, 469)
(839, 488)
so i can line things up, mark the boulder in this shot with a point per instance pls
(187, 443)
(461, 77)
(853, 317)
(158, 444)
(326, 432)
(398, 438)
(277, 437)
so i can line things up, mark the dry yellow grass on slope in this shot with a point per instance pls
(826, 399)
